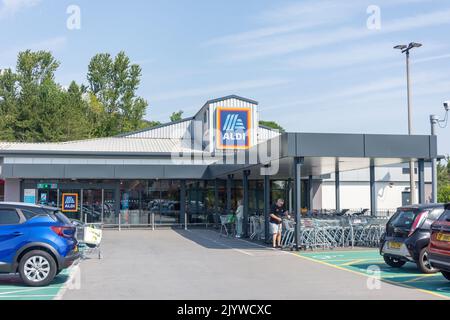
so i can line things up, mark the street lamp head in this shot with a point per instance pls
(415, 45)
(447, 105)
(400, 47)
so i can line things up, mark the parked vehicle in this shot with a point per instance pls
(439, 248)
(408, 234)
(36, 241)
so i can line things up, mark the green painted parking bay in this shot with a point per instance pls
(11, 288)
(365, 261)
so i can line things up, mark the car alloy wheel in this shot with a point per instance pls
(37, 268)
(426, 262)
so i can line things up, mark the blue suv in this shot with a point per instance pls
(37, 242)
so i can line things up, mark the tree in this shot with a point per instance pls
(79, 109)
(176, 116)
(443, 175)
(272, 124)
(35, 108)
(8, 104)
(444, 194)
(32, 104)
(114, 83)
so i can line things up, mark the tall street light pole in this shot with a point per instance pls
(412, 181)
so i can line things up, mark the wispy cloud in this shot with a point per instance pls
(9, 8)
(283, 44)
(221, 89)
(423, 82)
(291, 18)
(432, 58)
(8, 57)
(371, 53)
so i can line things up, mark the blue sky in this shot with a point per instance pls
(314, 66)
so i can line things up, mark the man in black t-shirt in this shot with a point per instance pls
(277, 213)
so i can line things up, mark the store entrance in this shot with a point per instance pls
(90, 205)
(48, 197)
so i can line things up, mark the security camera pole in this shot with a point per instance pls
(434, 121)
(412, 181)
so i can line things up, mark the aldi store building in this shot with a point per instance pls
(196, 169)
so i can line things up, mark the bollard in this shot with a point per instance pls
(153, 221)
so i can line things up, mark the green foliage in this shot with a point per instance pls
(31, 103)
(444, 194)
(443, 175)
(114, 83)
(150, 124)
(272, 124)
(34, 108)
(176, 116)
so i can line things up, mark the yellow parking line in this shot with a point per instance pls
(346, 251)
(421, 277)
(354, 262)
(367, 276)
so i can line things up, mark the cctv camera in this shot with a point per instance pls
(447, 105)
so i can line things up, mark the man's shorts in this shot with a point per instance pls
(275, 228)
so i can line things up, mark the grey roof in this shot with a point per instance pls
(154, 128)
(112, 145)
(233, 96)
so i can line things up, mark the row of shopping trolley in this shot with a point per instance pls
(334, 231)
(327, 231)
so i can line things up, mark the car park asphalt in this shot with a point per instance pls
(200, 264)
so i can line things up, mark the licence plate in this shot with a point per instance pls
(394, 245)
(443, 237)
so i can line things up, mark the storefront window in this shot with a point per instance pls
(92, 205)
(196, 202)
(143, 202)
(256, 197)
(2, 190)
(109, 204)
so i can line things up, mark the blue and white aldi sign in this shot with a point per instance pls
(69, 202)
(233, 128)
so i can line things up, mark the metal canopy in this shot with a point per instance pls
(321, 153)
(326, 153)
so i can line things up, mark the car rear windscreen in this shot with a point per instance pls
(60, 216)
(404, 219)
(445, 216)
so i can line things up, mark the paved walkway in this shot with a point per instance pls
(199, 264)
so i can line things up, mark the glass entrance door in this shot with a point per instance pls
(92, 208)
(48, 197)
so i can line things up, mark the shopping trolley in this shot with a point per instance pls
(288, 235)
(257, 227)
(89, 236)
(227, 225)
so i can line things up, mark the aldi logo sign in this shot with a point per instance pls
(233, 128)
(69, 202)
